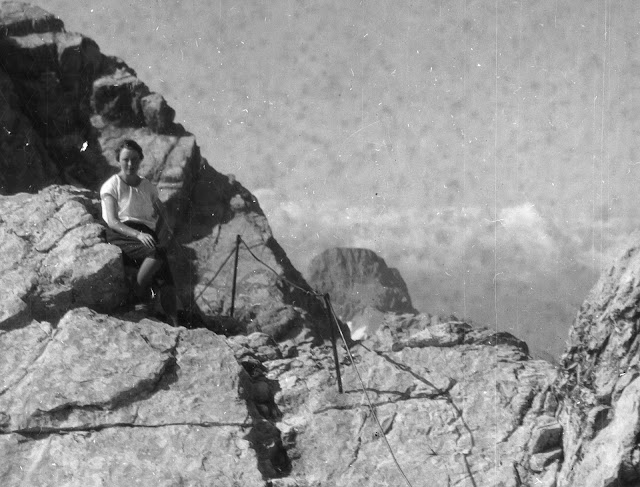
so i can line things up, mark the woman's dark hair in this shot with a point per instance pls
(131, 145)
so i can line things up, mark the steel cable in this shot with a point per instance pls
(364, 390)
(306, 291)
(206, 286)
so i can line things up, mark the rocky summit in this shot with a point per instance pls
(65, 108)
(93, 393)
(104, 400)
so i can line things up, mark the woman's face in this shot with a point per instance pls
(129, 161)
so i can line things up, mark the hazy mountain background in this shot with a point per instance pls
(488, 150)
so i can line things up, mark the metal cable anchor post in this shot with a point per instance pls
(235, 276)
(332, 323)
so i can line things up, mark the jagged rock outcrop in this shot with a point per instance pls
(64, 109)
(359, 282)
(600, 386)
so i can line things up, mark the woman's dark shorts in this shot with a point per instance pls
(134, 252)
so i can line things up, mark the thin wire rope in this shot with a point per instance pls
(364, 390)
(206, 286)
(311, 293)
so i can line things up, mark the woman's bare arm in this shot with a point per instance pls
(109, 205)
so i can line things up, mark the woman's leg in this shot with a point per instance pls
(147, 270)
(168, 298)
(169, 301)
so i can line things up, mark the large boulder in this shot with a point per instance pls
(100, 400)
(54, 257)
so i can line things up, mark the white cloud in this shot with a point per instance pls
(455, 260)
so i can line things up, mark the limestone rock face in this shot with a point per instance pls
(358, 279)
(454, 410)
(54, 257)
(65, 109)
(267, 283)
(100, 400)
(600, 411)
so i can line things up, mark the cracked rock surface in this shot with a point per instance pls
(105, 401)
(54, 257)
(600, 411)
(458, 415)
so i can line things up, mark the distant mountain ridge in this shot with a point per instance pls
(357, 279)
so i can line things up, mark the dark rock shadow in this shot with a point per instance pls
(55, 96)
(264, 437)
(215, 200)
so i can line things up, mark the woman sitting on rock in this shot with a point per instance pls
(132, 210)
